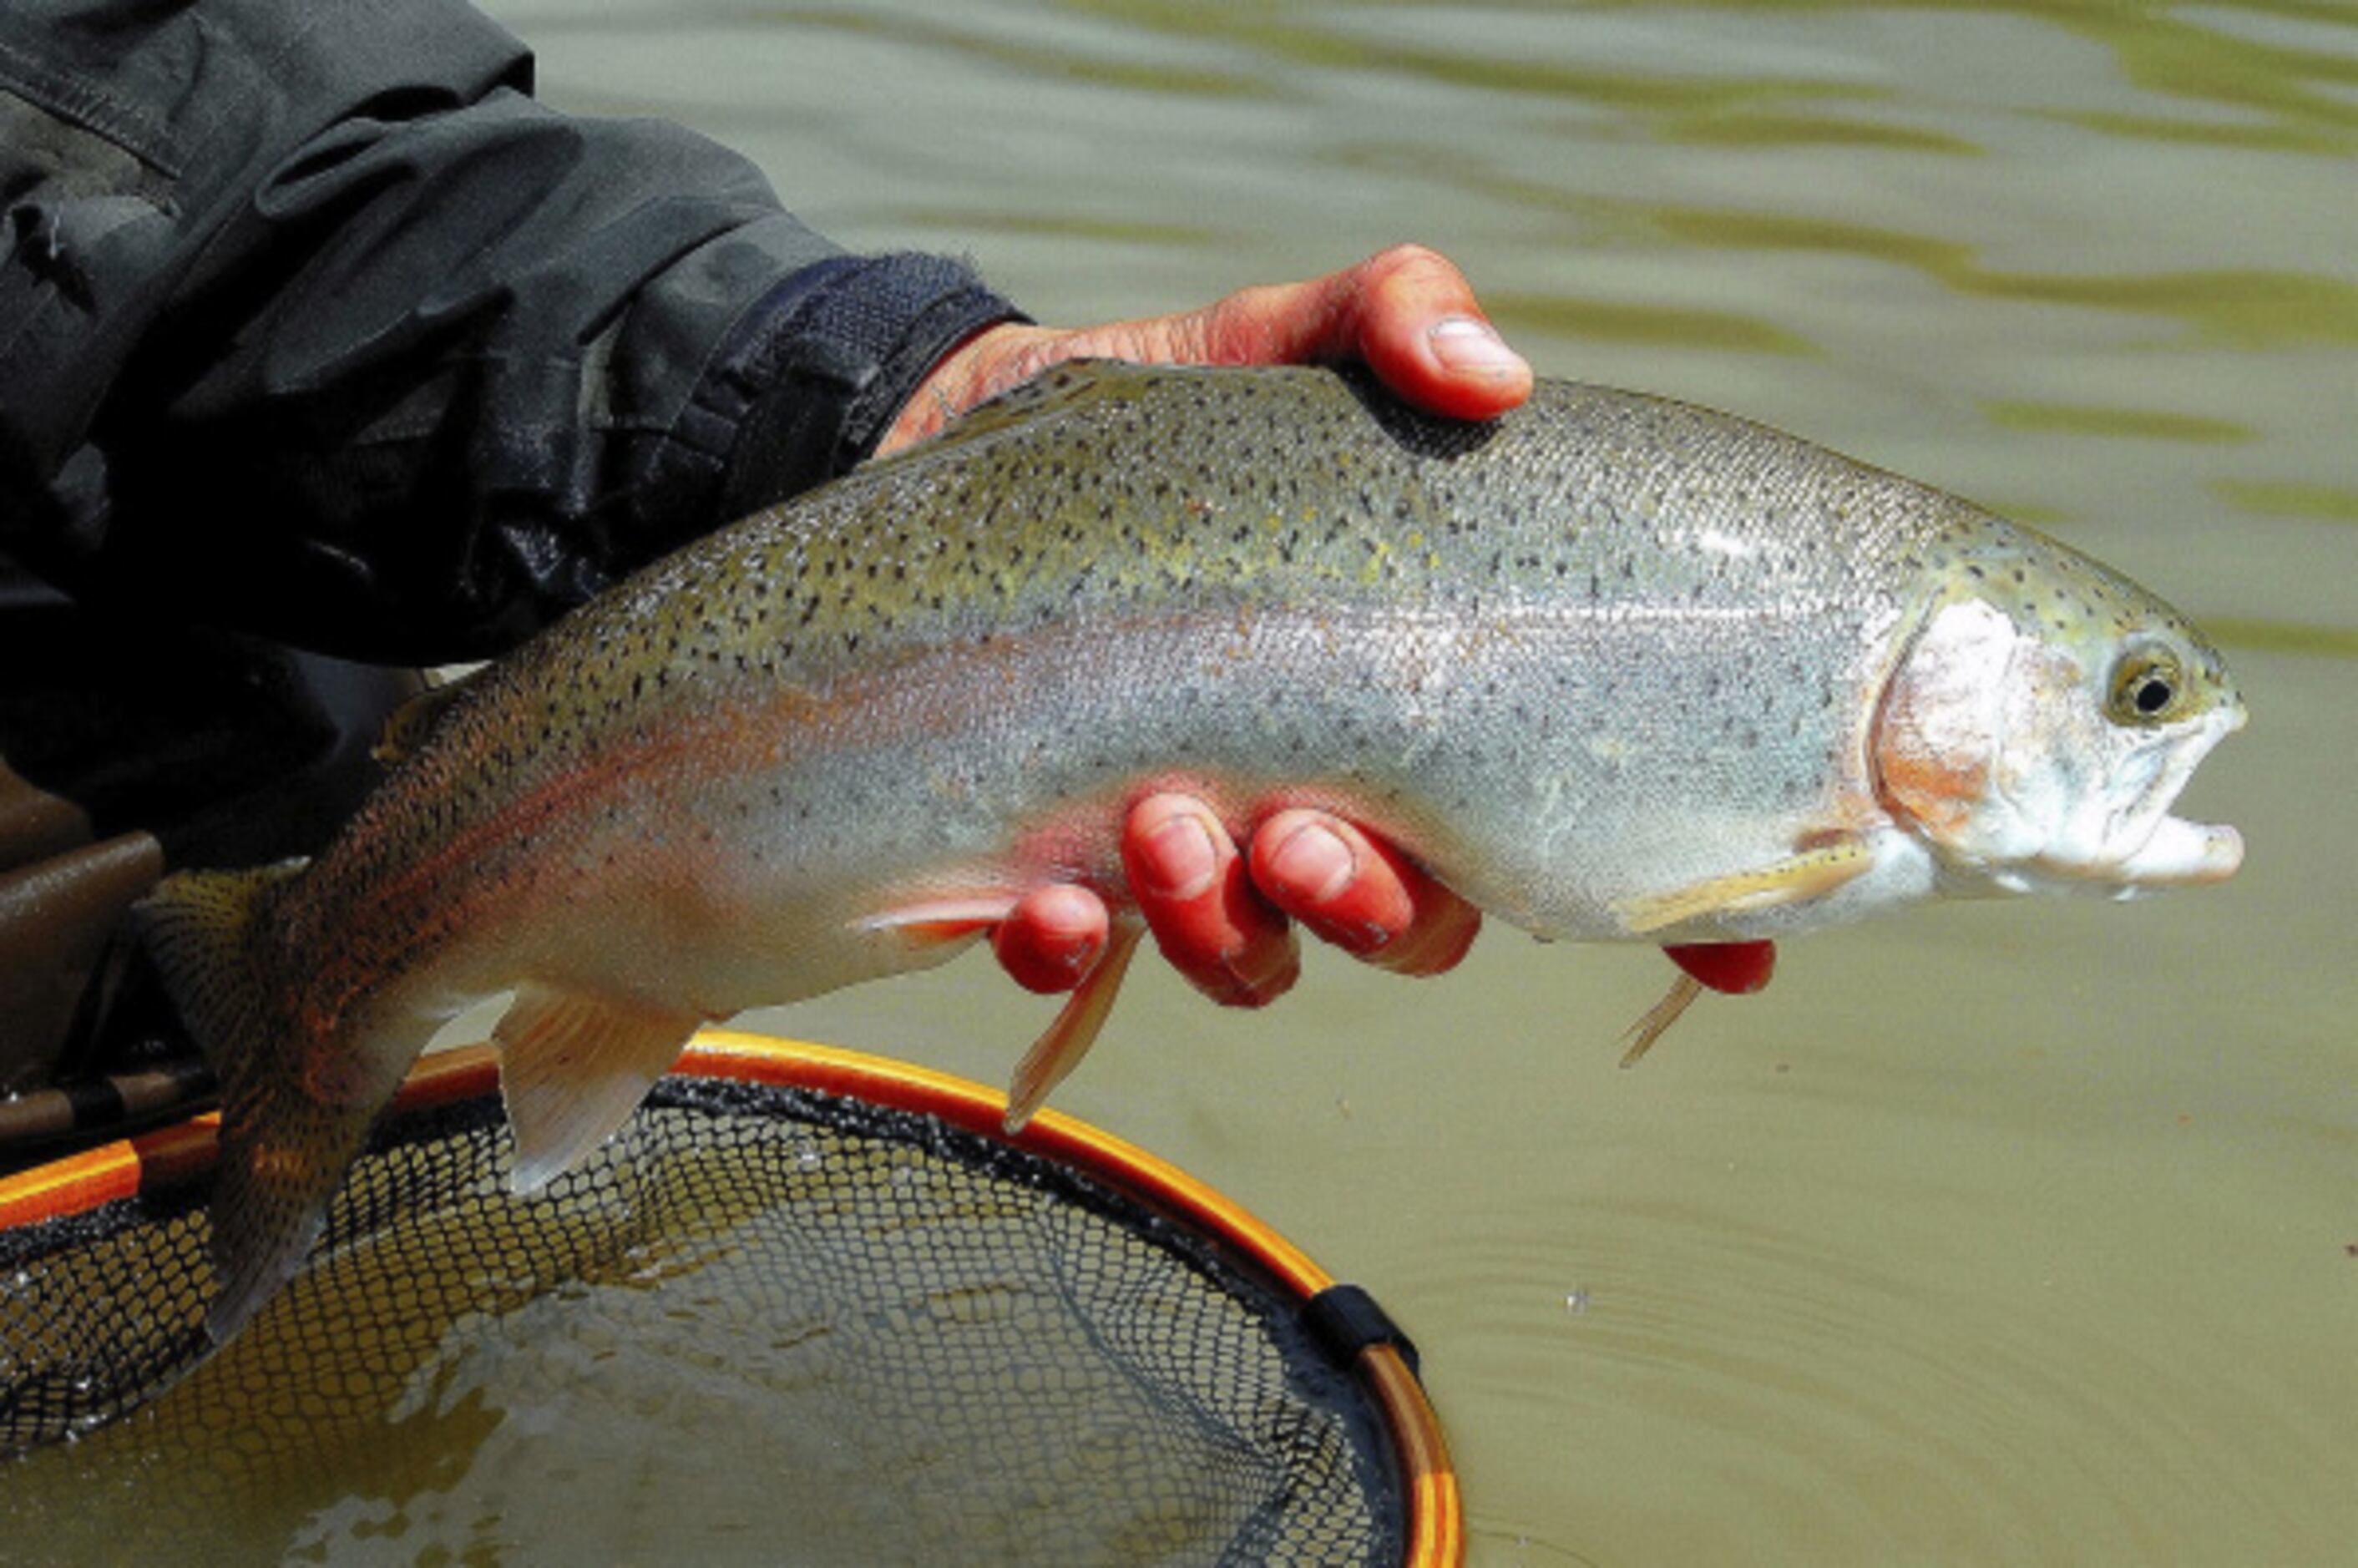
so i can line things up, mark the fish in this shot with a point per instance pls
(1612, 667)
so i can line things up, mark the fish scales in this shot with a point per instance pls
(1125, 573)
(1611, 666)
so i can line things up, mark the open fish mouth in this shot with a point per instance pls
(2173, 852)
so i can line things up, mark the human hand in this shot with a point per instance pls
(1407, 313)
(1223, 917)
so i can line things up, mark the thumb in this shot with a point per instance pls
(1408, 312)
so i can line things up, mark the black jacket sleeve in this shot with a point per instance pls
(314, 323)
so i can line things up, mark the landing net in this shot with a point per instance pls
(807, 1308)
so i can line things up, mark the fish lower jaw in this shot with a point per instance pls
(2177, 853)
(2184, 853)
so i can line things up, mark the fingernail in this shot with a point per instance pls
(1179, 861)
(1314, 862)
(1063, 910)
(1470, 343)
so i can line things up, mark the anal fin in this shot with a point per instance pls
(573, 1066)
(1812, 873)
(1058, 1052)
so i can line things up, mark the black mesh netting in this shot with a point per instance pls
(765, 1324)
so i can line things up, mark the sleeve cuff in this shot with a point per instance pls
(812, 375)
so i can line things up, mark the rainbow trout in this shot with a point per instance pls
(1612, 667)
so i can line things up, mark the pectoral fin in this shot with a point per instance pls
(1056, 1052)
(572, 1068)
(1813, 873)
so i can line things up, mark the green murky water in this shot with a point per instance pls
(2001, 1234)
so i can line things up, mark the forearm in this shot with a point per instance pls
(313, 321)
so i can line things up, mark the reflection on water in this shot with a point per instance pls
(1995, 1233)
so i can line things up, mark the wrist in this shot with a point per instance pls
(983, 364)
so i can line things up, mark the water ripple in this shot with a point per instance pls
(1836, 1410)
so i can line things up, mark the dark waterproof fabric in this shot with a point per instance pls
(313, 323)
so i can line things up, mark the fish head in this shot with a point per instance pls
(2043, 720)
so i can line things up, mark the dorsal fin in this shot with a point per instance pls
(408, 728)
(572, 1068)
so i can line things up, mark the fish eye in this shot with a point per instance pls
(2149, 687)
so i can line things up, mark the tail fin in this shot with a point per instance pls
(283, 1153)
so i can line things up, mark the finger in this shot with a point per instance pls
(1361, 894)
(1413, 319)
(1407, 311)
(1191, 885)
(1051, 939)
(1734, 969)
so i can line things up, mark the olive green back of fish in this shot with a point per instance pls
(1105, 491)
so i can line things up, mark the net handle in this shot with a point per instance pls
(182, 1153)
